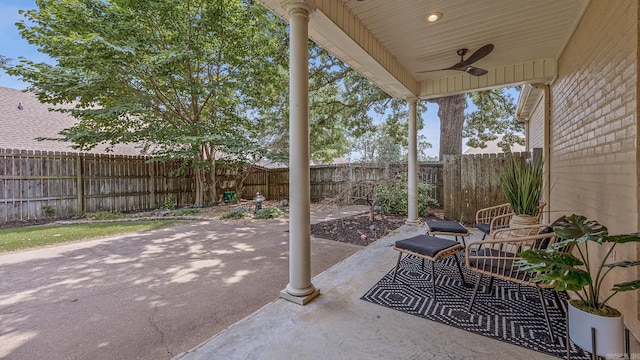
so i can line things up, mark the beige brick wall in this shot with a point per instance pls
(594, 130)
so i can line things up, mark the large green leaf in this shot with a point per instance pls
(623, 264)
(566, 272)
(627, 286)
(557, 269)
(574, 280)
(543, 260)
(622, 238)
(578, 228)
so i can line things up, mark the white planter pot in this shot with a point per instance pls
(609, 331)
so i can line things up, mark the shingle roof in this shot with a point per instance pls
(493, 148)
(23, 119)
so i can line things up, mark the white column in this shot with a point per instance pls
(412, 178)
(300, 289)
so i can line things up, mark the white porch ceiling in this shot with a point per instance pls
(389, 42)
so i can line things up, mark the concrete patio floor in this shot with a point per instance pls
(338, 325)
(148, 295)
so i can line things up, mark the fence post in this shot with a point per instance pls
(152, 184)
(79, 184)
(267, 193)
(450, 189)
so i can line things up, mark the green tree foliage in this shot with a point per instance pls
(495, 114)
(3, 60)
(386, 145)
(343, 106)
(184, 78)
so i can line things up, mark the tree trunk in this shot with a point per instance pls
(213, 183)
(200, 186)
(451, 114)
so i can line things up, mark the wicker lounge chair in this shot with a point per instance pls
(498, 217)
(497, 258)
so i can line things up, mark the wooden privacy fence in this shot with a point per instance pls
(35, 184)
(354, 181)
(471, 183)
(331, 181)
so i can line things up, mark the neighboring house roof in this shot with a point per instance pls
(268, 164)
(493, 148)
(335, 161)
(23, 119)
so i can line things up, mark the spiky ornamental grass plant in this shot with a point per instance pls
(521, 183)
(581, 274)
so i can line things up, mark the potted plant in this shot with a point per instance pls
(521, 183)
(584, 275)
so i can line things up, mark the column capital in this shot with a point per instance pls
(412, 100)
(293, 5)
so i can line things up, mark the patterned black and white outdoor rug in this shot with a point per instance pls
(505, 314)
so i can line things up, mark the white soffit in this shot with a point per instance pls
(389, 42)
(540, 71)
(336, 29)
(529, 97)
(382, 68)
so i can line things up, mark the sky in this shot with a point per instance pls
(13, 46)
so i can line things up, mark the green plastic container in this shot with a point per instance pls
(229, 196)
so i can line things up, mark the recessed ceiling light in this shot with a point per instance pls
(433, 17)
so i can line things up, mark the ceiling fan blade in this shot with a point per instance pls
(479, 54)
(427, 71)
(476, 71)
(464, 65)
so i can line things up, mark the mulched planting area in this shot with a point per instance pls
(357, 229)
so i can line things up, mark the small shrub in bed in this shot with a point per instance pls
(269, 213)
(393, 198)
(170, 202)
(185, 212)
(235, 214)
(103, 215)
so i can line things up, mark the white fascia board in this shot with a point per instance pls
(534, 71)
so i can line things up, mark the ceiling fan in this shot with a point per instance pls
(465, 65)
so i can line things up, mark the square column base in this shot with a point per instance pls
(300, 300)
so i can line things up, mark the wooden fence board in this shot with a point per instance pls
(72, 183)
(471, 183)
(75, 183)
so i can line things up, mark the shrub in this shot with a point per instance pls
(169, 202)
(234, 214)
(185, 212)
(48, 210)
(269, 213)
(103, 215)
(393, 198)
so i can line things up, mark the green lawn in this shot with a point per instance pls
(34, 236)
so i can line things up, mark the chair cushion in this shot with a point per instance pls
(485, 228)
(448, 226)
(549, 229)
(544, 243)
(425, 244)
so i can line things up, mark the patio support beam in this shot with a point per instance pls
(300, 290)
(412, 178)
